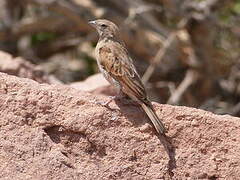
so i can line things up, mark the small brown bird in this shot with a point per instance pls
(117, 67)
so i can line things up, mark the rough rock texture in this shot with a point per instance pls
(95, 84)
(90, 84)
(22, 68)
(58, 132)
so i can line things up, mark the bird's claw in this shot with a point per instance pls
(106, 104)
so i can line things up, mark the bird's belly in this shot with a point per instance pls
(111, 80)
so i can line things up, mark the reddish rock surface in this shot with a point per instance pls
(90, 84)
(95, 84)
(22, 68)
(58, 132)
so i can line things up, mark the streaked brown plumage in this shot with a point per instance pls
(117, 67)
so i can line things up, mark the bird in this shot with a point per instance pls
(116, 65)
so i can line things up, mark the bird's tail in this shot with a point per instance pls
(154, 118)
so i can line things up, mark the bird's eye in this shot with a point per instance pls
(103, 25)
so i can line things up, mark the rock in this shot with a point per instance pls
(58, 132)
(22, 68)
(95, 84)
(92, 84)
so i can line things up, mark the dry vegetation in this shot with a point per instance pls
(187, 51)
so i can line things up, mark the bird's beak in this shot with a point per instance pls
(92, 23)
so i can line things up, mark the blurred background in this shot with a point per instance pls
(187, 51)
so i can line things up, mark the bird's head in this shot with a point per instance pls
(105, 27)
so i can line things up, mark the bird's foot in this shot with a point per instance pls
(106, 104)
(120, 97)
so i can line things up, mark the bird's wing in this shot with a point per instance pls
(116, 61)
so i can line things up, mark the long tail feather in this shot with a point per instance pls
(154, 118)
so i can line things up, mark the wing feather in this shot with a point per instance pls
(115, 60)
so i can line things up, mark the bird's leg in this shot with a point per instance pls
(107, 102)
(119, 96)
(125, 99)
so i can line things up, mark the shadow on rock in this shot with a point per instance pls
(131, 110)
